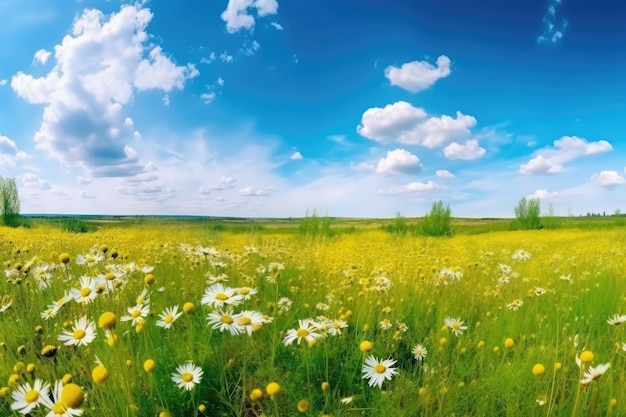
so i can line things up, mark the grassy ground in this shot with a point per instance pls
(526, 304)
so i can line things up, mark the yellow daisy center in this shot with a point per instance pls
(244, 291)
(31, 396)
(79, 334)
(85, 291)
(90, 258)
(303, 332)
(221, 296)
(336, 325)
(110, 276)
(227, 320)
(169, 318)
(245, 321)
(135, 313)
(58, 408)
(186, 376)
(380, 368)
(456, 326)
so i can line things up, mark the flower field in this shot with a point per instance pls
(178, 321)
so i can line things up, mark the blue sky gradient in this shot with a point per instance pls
(267, 108)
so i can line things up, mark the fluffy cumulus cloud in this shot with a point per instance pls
(9, 153)
(444, 173)
(417, 76)
(253, 192)
(100, 66)
(412, 187)
(403, 123)
(550, 160)
(608, 179)
(543, 194)
(398, 161)
(239, 14)
(41, 56)
(296, 156)
(470, 150)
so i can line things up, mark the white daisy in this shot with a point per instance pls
(224, 320)
(187, 375)
(168, 316)
(419, 352)
(249, 321)
(137, 313)
(86, 291)
(307, 330)
(376, 370)
(594, 372)
(616, 320)
(83, 333)
(246, 292)
(217, 296)
(456, 325)
(335, 327)
(27, 397)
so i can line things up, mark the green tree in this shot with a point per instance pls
(9, 201)
(527, 213)
(437, 222)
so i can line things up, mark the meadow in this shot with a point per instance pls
(184, 319)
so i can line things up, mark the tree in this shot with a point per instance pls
(527, 213)
(9, 201)
(437, 222)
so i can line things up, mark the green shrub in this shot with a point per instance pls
(437, 222)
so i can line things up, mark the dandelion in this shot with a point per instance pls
(217, 296)
(83, 333)
(168, 316)
(26, 397)
(272, 389)
(366, 346)
(65, 400)
(376, 370)
(586, 356)
(187, 376)
(617, 319)
(594, 373)
(303, 406)
(149, 365)
(107, 320)
(256, 394)
(538, 369)
(99, 374)
(419, 352)
(224, 320)
(306, 330)
(455, 324)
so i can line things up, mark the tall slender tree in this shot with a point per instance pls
(9, 201)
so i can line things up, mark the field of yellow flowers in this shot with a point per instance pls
(177, 321)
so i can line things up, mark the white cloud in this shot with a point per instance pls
(398, 161)
(32, 181)
(296, 156)
(83, 180)
(553, 27)
(9, 153)
(87, 195)
(540, 165)
(41, 56)
(99, 67)
(250, 48)
(412, 187)
(3, 82)
(608, 179)
(238, 13)
(253, 192)
(166, 100)
(403, 123)
(208, 60)
(468, 151)
(220, 81)
(225, 57)
(444, 173)
(363, 166)
(418, 75)
(550, 160)
(207, 97)
(277, 25)
(543, 194)
(225, 183)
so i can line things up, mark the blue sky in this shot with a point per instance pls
(267, 108)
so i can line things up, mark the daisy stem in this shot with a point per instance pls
(243, 375)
